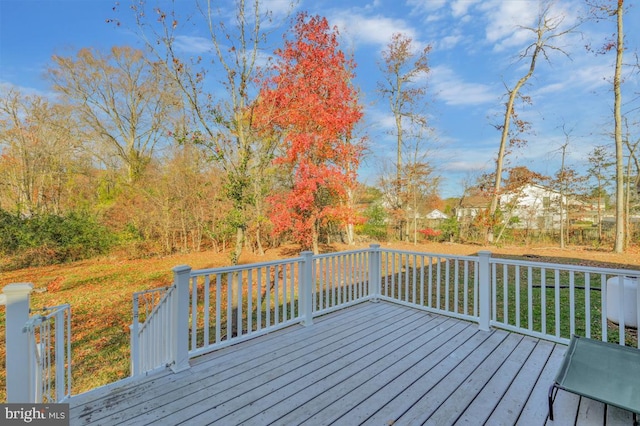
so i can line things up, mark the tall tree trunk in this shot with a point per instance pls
(617, 114)
(350, 232)
(497, 185)
(627, 202)
(349, 227)
(259, 247)
(398, 185)
(315, 237)
(237, 251)
(599, 215)
(562, 198)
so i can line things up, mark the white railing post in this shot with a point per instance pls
(484, 290)
(60, 343)
(180, 322)
(374, 272)
(306, 288)
(135, 338)
(20, 380)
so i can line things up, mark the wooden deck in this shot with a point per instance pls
(374, 364)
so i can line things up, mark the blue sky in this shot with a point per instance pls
(475, 46)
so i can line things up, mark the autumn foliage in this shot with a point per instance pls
(312, 104)
(430, 233)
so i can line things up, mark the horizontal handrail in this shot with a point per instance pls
(225, 269)
(431, 254)
(568, 267)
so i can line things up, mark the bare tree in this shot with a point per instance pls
(547, 30)
(619, 244)
(39, 154)
(421, 185)
(599, 163)
(562, 179)
(122, 101)
(568, 183)
(404, 68)
(605, 10)
(176, 194)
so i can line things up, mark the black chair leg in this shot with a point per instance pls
(551, 401)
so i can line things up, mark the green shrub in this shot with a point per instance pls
(375, 225)
(450, 229)
(48, 239)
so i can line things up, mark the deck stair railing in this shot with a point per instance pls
(38, 355)
(49, 334)
(151, 329)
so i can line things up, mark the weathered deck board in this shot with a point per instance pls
(231, 364)
(373, 363)
(512, 403)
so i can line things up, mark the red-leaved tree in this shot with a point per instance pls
(311, 102)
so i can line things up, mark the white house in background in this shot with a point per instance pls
(436, 214)
(531, 206)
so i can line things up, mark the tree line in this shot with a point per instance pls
(153, 150)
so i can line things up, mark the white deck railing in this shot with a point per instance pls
(588, 301)
(151, 330)
(49, 334)
(223, 306)
(38, 348)
(341, 279)
(232, 304)
(444, 284)
(208, 309)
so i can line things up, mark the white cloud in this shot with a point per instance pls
(449, 87)
(194, 45)
(593, 76)
(460, 8)
(375, 30)
(6, 86)
(279, 8)
(424, 6)
(552, 88)
(505, 19)
(450, 41)
(381, 119)
(466, 166)
(375, 5)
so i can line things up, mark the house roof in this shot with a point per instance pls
(436, 214)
